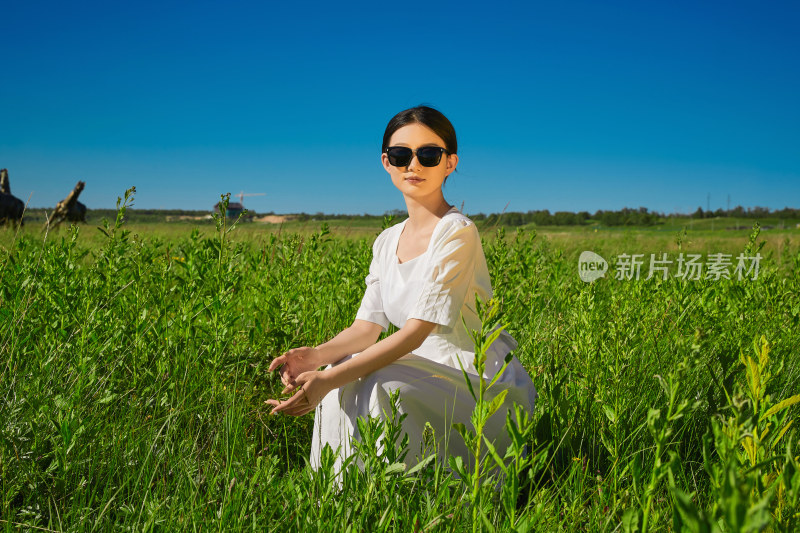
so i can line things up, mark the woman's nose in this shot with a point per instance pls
(414, 165)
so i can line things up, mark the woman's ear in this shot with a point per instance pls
(385, 162)
(452, 161)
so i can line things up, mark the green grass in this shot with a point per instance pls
(133, 380)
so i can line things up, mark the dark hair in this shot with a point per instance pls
(427, 116)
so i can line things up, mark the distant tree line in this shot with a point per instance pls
(624, 217)
(336, 216)
(750, 212)
(94, 216)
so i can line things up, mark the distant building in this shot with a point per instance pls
(234, 209)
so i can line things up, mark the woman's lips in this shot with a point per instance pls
(414, 179)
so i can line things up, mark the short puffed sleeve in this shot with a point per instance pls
(371, 308)
(448, 273)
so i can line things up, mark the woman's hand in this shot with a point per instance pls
(295, 362)
(311, 388)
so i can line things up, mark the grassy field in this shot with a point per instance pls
(701, 236)
(133, 380)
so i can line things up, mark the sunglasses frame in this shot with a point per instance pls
(414, 152)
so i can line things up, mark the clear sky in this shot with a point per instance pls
(558, 105)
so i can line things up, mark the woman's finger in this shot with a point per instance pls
(304, 404)
(299, 410)
(297, 382)
(298, 405)
(286, 404)
(286, 375)
(290, 386)
(278, 361)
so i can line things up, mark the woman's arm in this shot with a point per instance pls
(380, 354)
(355, 338)
(314, 385)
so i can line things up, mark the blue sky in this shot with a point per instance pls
(557, 105)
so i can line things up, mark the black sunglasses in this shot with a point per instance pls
(428, 156)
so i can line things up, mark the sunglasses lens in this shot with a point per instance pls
(429, 156)
(399, 156)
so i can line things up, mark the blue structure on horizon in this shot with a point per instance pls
(234, 209)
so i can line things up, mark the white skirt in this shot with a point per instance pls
(430, 394)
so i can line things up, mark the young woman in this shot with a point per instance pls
(424, 276)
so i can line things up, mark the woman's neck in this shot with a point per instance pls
(422, 214)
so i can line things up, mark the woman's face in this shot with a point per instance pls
(415, 180)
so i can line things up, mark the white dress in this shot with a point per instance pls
(438, 286)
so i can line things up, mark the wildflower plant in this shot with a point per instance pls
(486, 459)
